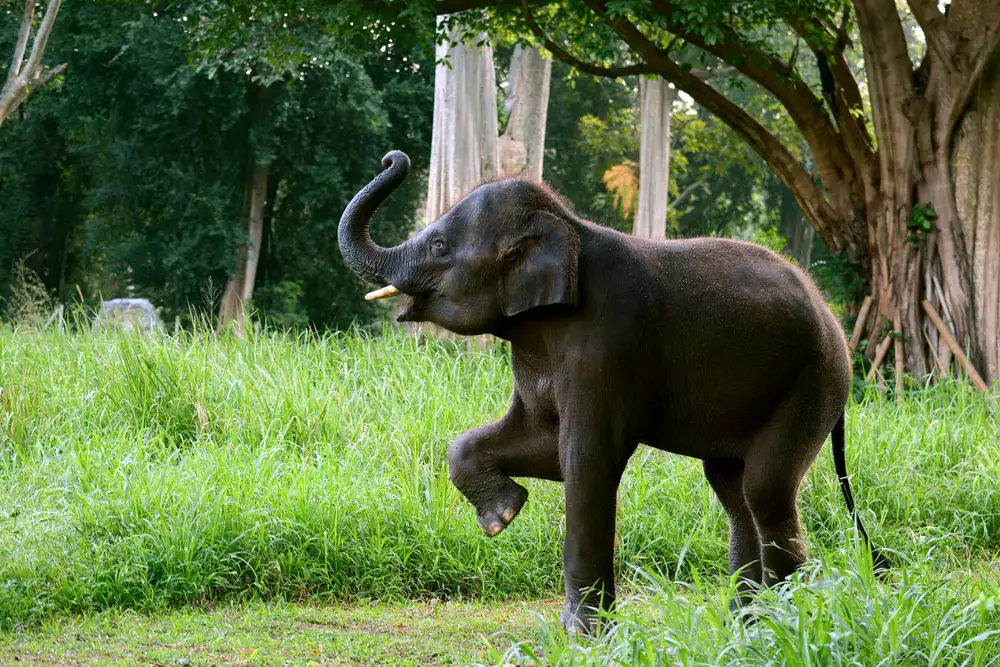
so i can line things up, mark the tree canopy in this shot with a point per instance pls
(873, 92)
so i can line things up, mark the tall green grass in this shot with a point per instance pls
(139, 472)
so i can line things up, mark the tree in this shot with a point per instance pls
(133, 170)
(656, 102)
(521, 147)
(464, 139)
(25, 77)
(881, 186)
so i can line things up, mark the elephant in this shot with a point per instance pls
(710, 348)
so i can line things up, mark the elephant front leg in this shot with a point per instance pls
(481, 462)
(592, 472)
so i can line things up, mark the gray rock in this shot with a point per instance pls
(129, 315)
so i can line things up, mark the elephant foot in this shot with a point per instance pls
(577, 620)
(504, 510)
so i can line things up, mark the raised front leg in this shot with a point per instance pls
(592, 464)
(481, 462)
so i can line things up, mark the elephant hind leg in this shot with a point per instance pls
(726, 478)
(770, 488)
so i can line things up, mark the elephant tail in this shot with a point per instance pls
(879, 560)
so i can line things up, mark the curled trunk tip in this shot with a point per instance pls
(399, 161)
(367, 259)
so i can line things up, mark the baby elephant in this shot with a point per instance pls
(711, 348)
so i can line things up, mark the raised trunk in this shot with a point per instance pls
(368, 260)
(521, 147)
(656, 98)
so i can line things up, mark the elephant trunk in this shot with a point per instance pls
(367, 259)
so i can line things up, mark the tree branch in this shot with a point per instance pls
(572, 61)
(456, 6)
(32, 74)
(784, 164)
(706, 74)
(895, 102)
(934, 25)
(686, 192)
(841, 90)
(48, 74)
(834, 163)
(42, 38)
(22, 41)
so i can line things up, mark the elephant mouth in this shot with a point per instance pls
(386, 292)
(413, 309)
(414, 303)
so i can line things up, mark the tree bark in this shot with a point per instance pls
(464, 135)
(23, 78)
(976, 168)
(656, 99)
(521, 148)
(239, 287)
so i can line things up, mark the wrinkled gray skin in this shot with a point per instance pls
(711, 348)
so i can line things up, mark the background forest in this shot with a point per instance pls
(127, 174)
(279, 497)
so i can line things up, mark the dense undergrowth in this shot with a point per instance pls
(139, 472)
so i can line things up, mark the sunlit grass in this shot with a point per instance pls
(140, 472)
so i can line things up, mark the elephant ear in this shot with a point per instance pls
(540, 266)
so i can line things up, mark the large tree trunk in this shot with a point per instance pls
(656, 98)
(914, 118)
(976, 168)
(239, 287)
(464, 135)
(521, 147)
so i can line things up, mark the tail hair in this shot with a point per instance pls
(880, 561)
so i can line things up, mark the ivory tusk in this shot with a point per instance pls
(384, 293)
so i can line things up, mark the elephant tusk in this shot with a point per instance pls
(384, 293)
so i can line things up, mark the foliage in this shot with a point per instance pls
(832, 613)
(622, 181)
(770, 238)
(575, 162)
(30, 302)
(840, 277)
(920, 224)
(140, 472)
(130, 175)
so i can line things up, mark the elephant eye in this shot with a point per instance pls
(438, 246)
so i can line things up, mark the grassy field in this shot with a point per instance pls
(173, 482)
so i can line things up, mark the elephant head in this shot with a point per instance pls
(508, 247)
